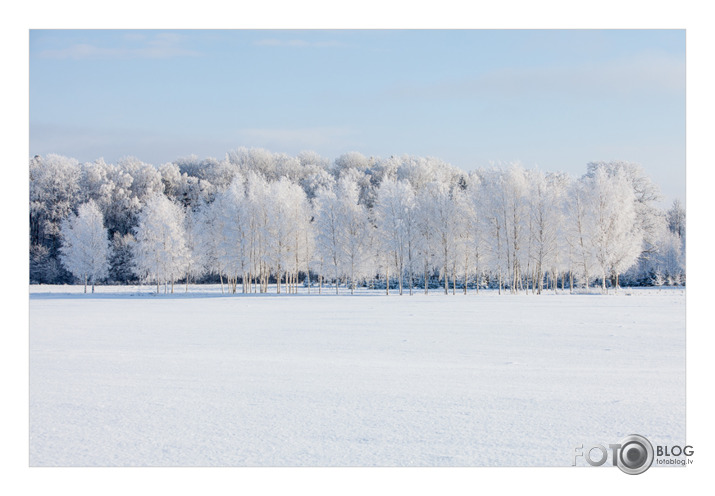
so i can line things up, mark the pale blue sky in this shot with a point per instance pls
(553, 99)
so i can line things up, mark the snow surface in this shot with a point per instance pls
(125, 377)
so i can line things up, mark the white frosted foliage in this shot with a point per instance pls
(161, 254)
(85, 245)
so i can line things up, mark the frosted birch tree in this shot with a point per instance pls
(515, 186)
(425, 239)
(282, 229)
(354, 231)
(397, 227)
(302, 236)
(85, 245)
(616, 237)
(328, 226)
(675, 218)
(461, 264)
(442, 218)
(545, 217)
(578, 233)
(650, 219)
(258, 229)
(209, 238)
(477, 223)
(234, 237)
(160, 251)
(193, 267)
(494, 205)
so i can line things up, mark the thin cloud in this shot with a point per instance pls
(90, 142)
(643, 75)
(298, 138)
(135, 36)
(274, 42)
(162, 45)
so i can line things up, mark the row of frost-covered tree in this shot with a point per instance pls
(404, 223)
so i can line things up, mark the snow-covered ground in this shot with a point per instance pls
(125, 377)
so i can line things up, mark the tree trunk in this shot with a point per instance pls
(387, 279)
(278, 280)
(411, 278)
(540, 275)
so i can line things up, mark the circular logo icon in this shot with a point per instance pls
(636, 454)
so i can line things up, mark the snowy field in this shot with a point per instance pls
(125, 377)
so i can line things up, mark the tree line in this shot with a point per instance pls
(403, 223)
